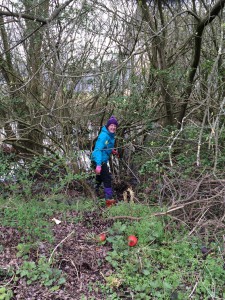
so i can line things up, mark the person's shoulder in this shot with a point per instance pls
(103, 133)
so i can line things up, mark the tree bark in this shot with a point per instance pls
(159, 58)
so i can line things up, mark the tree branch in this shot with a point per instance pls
(44, 21)
(209, 17)
(24, 16)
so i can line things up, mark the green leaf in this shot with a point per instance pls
(146, 272)
(123, 228)
(154, 284)
(29, 281)
(24, 273)
(62, 280)
(167, 285)
(54, 288)
(49, 282)
(2, 290)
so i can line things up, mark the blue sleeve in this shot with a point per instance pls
(99, 146)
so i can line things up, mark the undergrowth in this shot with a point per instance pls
(34, 222)
(166, 263)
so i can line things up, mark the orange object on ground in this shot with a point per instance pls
(102, 237)
(110, 202)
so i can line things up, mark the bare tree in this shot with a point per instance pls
(65, 65)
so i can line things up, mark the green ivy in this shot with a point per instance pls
(42, 272)
(5, 294)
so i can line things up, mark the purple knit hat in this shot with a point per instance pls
(112, 120)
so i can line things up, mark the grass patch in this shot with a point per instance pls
(166, 263)
(33, 218)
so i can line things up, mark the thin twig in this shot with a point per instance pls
(193, 290)
(75, 268)
(198, 221)
(7, 283)
(62, 241)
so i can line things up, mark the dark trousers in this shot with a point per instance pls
(105, 178)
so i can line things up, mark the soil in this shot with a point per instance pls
(75, 251)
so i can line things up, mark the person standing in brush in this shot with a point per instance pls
(104, 147)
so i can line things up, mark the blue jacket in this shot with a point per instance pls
(103, 147)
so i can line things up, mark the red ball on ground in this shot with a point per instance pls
(132, 240)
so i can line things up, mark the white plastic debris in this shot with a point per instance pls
(57, 222)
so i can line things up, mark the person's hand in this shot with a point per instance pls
(115, 152)
(98, 170)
